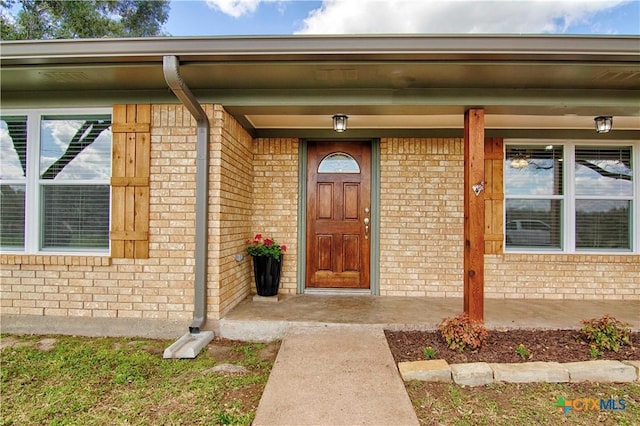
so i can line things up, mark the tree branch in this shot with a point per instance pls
(75, 147)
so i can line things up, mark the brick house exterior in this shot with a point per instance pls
(254, 186)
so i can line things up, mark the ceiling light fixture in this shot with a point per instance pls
(519, 163)
(340, 122)
(519, 159)
(604, 123)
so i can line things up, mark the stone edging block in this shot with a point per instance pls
(550, 372)
(472, 374)
(436, 370)
(602, 371)
(482, 373)
(636, 365)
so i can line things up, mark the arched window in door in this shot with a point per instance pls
(338, 162)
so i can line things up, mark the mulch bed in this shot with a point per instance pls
(500, 347)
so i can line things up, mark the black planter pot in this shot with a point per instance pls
(266, 271)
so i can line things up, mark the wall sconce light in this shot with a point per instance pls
(478, 187)
(604, 123)
(340, 122)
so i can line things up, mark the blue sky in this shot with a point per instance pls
(276, 17)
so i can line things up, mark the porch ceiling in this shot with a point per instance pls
(396, 82)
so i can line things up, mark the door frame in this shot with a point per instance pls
(374, 269)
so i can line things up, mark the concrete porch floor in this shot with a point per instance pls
(269, 320)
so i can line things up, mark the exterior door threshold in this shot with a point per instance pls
(338, 291)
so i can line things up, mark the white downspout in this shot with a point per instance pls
(170, 68)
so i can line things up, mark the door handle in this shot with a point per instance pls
(366, 228)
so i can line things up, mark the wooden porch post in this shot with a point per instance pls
(474, 214)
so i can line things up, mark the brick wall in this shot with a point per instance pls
(422, 238)
(230, 224)
(56, 285)
(230, 206)
(421, 229)
(275, 200)
(558, 276)
(160, 287)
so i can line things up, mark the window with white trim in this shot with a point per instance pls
(55, 168)
(571, 197)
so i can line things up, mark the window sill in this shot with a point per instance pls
(44, 259)
(559, 257)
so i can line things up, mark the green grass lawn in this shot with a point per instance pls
(98, 381)
(522, 404)
(59, 380)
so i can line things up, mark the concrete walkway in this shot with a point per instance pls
(333, 375)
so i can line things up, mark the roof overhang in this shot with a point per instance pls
(386, 84)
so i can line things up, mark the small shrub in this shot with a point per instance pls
(594, 352)
(523, 352)
(429, 352)
(606, 333)
(462, 333)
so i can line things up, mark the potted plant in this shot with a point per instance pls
(267, 257)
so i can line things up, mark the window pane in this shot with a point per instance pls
(75, 217)
(75, 148)
(604, 171)
(533, 223)
(13, 147)
(12, 216)
(603, 224)
(338, 163)
(533, 170)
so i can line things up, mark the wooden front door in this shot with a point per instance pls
(338, 214)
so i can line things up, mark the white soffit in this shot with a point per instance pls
(436, 122)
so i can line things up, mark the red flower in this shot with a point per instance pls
(264, 246)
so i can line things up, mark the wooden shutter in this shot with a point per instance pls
(493, 195)
(131, 131)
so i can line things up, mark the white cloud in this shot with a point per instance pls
(10, 167)
(236, 8)
(93, 162)
(451, 16)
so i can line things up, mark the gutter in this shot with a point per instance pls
(170, 68)
(324, 48)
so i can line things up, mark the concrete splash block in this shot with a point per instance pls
(549, 372)
(436, 370)
(189, 345)
(472, 374)
(602, 371)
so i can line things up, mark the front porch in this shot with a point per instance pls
(264, 320)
